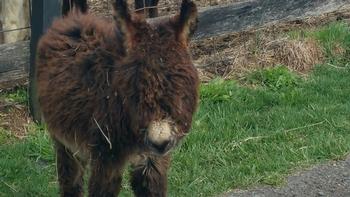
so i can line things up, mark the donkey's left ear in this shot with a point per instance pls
(124, 23)
(186, 22)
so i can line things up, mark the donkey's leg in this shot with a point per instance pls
(149, 176)
(106, 178)
(70, 173)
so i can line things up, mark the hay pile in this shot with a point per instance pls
(298, 55)
(233, 56)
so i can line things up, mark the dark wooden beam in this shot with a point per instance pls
(1, 33)
(43, 13)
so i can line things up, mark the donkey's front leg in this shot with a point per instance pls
(149, 176)
(70, 172)
(106, 178)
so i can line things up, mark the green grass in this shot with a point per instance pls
(27, 167)
(257, 136)
(276, 78)
(18, 95)
(241, 136)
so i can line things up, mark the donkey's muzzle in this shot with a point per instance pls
(160, 137)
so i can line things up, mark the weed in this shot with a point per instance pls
(218, 90)
(18, 95)
(275, 78)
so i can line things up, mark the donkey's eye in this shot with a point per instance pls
(143, 130)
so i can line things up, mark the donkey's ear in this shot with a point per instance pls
(187, 21)
(125, 26)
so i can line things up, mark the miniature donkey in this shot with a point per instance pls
(114, 92)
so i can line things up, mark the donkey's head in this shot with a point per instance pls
(160, 81)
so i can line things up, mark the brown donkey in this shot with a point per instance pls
(114, 92)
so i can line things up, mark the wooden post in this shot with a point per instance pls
(1, 33)
(43, 13)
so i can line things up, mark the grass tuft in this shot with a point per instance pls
(18, 95)
(275, 78)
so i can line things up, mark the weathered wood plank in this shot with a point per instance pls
(240, 16)
(14, 56)
(14, 61)
(13, 78)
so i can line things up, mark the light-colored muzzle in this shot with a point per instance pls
(161, 136)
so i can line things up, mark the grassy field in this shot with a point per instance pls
(243, 134)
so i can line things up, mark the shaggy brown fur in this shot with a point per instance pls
(152, 11)
(102, 83)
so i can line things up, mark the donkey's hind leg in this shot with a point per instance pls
(149, 176)
(70, 172)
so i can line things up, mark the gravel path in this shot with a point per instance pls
(332, 179)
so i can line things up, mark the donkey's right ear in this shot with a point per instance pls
(186, 21)
(125, 26)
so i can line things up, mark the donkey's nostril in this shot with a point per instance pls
(160, 136)
(162, 147)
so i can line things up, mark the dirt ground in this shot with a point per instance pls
(332, 179)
